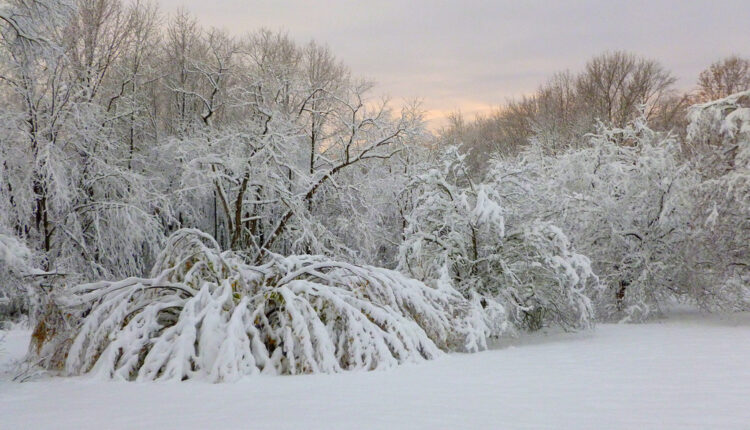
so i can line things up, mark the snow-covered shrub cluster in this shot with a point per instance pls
(208, 314)
(457, 237)
(624, 201)
(656, 224)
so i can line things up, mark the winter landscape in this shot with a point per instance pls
(205, 225)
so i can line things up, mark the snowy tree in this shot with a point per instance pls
(719, 134)
(622, 201)
(456, 237)
(723, 78)
(68, 195)
(642, 207)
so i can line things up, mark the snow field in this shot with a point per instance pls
(687, 372)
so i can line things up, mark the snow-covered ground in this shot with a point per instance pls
(686, 372)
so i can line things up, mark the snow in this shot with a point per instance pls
(294, 314)
(685, 372)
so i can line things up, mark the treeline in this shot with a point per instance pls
(613, 89)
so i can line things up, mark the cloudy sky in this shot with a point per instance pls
(473, 54)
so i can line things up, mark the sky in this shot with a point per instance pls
(473, 55)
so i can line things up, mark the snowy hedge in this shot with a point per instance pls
(207, 314)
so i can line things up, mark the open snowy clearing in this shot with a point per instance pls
(685, 372)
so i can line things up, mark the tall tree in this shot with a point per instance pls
(724, 78)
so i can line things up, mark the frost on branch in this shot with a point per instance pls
(207, 314)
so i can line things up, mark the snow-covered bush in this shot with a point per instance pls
(208, 314)
(622, 200)
(659, 224)
(456, 236)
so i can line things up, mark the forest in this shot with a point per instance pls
(178, 202)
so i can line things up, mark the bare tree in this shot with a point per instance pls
(724, 78)
(134, 80)
(183, 43)
(560, 114)
(324, 78)
(95, 39)
(615, 86)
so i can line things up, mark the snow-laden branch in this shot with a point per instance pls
(206, 314)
